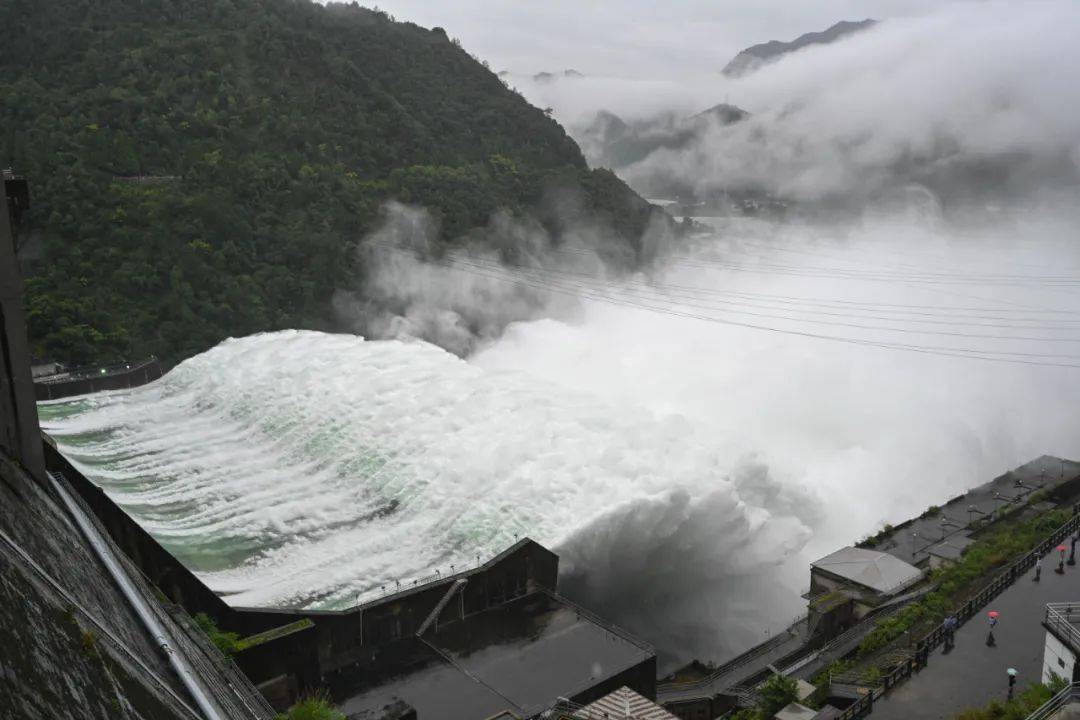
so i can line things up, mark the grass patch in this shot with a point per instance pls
(89, 642)
(315, 707)
(1026, 702)
(957, 582)
(226, 642)
(273, 634)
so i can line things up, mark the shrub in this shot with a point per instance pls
(777, 692)
(226, 642)
(1026, 702)
(989, 552)
(314, 707)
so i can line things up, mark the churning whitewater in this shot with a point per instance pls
(312, 469)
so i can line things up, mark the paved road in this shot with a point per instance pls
(973, 674)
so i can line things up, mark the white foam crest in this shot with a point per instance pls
(324, 467)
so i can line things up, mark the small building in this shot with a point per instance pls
(1062, 651)
(795, 711)
(45, 369)
(622, 704)
(849, 583)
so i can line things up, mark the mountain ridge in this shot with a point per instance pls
(750, 59)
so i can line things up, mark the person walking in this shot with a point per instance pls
(951, 623)
(990, 641)
(1038, 569)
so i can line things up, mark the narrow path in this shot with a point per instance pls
(973, 674)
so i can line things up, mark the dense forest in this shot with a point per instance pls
(205, 168)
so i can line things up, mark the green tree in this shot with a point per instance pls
(776, 694)
(209, 169)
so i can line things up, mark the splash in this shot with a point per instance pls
(309, 468)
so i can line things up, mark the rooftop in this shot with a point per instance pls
(951, 548)
(795, 711)
(876, 570)
(1063, 620)
(623, 704)
(911, 541)
(520, 656)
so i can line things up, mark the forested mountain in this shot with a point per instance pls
(205, 168)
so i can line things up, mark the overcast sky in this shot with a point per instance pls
(631, 38)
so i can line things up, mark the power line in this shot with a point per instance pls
(999, 356)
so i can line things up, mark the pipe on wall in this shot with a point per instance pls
(135, 599)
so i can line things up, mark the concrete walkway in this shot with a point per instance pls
(972, 674)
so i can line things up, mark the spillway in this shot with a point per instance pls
(312, 469)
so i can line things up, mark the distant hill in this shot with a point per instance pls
(207, 169)
(546, 77)
(609, 141)
(756, 56)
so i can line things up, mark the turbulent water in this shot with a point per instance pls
(684, 462)
(309, 468)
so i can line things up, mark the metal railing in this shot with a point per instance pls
(918, 658)
(89, 371)
(1070, 694)
(1002, 581)
(860, 708)
(736, 662)
(1063, 618)
(597, 620)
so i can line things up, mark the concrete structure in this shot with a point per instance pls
(1061, 656)
(851, 582)
(1050, 477)
(795, 711)
(19, 438)
(940, 535)
(95, 378)
(948, 551)
(73, 645)
(623, 704)
(490, 638)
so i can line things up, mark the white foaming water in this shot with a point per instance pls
(685, 470)
(302, 467)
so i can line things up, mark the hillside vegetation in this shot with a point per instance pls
(205, 168)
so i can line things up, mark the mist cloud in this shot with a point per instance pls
(974, 99)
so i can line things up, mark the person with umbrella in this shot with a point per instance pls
(1060, 570)
(950, 626)
(993, 620)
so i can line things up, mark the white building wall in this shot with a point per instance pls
(1057, 659)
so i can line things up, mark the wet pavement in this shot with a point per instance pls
(972, 674)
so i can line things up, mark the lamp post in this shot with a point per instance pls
(945, 522)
